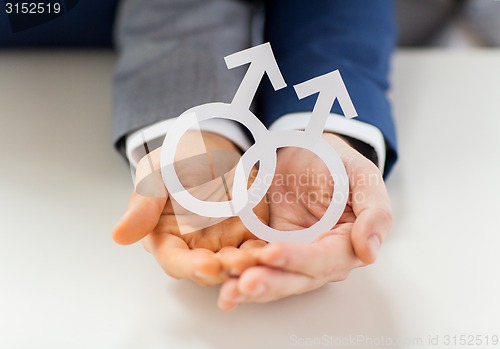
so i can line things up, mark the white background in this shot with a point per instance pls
(65, 284)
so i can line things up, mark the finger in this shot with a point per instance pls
(234, 261)
(252, 244)
(262, 285)
(140, 219)
(371, 205)
(253, 247)
(180, 262)
(330, 257)
(229, 296)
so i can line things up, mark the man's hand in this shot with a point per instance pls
(300, 194)
(208, 255)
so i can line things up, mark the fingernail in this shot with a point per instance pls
(226, 305)
(240, 299)
(259, 291)
(374, 245)
(280, 262)
(234, 272)
(202, 275)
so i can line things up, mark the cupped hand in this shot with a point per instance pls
(300, 194)
(185, 245)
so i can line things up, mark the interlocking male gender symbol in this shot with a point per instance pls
(261, 58)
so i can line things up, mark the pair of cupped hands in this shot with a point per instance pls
(251, 270)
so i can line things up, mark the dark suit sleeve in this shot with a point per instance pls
(315, 37)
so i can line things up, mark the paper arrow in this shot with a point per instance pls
(261, 59)
(330, 87)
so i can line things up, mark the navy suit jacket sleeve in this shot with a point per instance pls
(311, 38)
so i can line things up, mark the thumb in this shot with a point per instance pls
(146, 203)
(369, 231)
(141, 217)
(371, 205)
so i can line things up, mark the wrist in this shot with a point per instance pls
(361, 147)
(214, 141)
(335, 139)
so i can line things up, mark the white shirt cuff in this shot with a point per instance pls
(362, 131)
(137, 140)
(336, 123)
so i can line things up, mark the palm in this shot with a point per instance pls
(229, 232)
(224, 247)
(304, 180)
(208, 177)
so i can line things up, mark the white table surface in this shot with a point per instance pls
(65, 284)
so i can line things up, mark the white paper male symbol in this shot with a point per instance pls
(261, 58)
